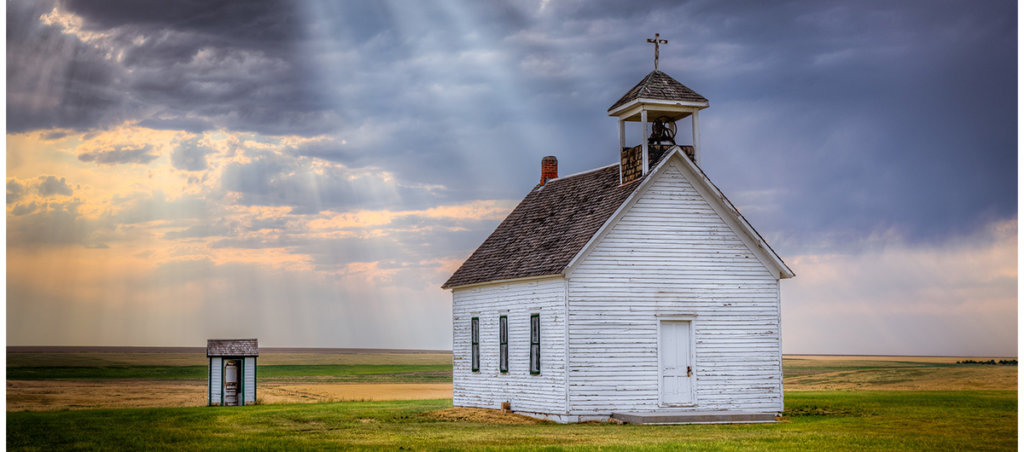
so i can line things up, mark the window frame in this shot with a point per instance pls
(535, 345)
(503, 344)
(474, 341)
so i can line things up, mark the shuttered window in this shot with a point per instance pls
(535, 344)
(503, 344)
(475, 333)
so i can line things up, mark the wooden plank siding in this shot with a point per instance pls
(249, 379)
(671, 253)
(216, 374)
(488, 388)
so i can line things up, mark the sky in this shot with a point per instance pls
(310, 173)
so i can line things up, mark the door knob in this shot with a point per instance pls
(689, 371)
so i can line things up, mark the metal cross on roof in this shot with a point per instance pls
(656, 42)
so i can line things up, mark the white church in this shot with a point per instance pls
(634, 291)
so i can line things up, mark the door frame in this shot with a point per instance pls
(241, 379)
(692, 320)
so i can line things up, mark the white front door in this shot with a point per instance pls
(676, 368)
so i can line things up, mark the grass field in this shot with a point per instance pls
(832, 403)
(833, 420)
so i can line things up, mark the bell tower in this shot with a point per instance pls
(657, 102)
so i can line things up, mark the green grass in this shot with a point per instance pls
(409, 373)
(847, 420)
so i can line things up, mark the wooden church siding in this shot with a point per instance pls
(488, 388)
(672, 254)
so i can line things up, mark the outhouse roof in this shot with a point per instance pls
(548, 227)
(232, 347)
(658, 85)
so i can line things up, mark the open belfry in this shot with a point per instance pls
(657, 103)
(633, 291)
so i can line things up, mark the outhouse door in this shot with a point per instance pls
(675, 356)
(232, 377)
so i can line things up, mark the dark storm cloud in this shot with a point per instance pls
(119, 155)
(856, 117)
(50, 185)
(256, 24)
(205, 64)
(55, 80)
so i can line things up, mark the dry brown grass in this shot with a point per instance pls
(913, 359)
(483, 415)
(43, 395)
(340, 392)
(894, 373)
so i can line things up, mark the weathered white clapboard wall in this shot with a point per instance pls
(670, 253)
(488, 388)
(250, 379)
(214, 385)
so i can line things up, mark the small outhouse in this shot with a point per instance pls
(232, 374)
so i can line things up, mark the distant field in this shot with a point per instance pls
(198, 358)
(384, 373)
(894, 373)
(815, 420)
(44, 379)
(73, 378)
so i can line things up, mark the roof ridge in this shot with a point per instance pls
(647, 82)
(581, 173)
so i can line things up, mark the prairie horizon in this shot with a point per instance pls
(202, 349)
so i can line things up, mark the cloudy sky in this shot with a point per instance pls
(310, 173)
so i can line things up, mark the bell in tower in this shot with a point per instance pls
(657, 102)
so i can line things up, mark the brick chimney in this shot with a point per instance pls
(548, 169)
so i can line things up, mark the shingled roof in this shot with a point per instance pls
(546, 230)
(658, 85)
(232, 347)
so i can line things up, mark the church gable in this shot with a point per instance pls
(677, 206)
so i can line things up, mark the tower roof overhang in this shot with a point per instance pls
(674, 109)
